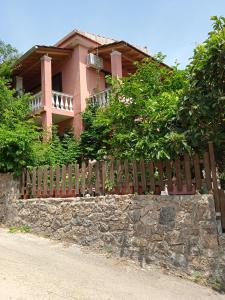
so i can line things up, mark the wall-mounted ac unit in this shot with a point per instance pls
(94, 61)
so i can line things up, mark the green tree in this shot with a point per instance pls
(8, 56)
(17, 132)
(202, 109)
(139, 122)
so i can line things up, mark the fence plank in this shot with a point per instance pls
(214, 176)
(207, 171)
(28, 183)
(152, 176)
(45, 181)
(40, 173)
(187, 169)
(97, 178)
(103, 176)
(119, 176)
(64, 180)
(51, 189)
(83, 177)
(143, 175)
(169, 175)
(160, 172)
(90, 168)
(127, 177)
(77, 179)
(198, 179)
(178, 174)
(34, 180)
(70, 179)
(22, 183)
(135, 176)
(57, 181)
(24, 180)
(111, 173)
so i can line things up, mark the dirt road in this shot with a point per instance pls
(34, 268)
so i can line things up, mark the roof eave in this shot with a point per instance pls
(26, 54)
(40, 50)
(118, 43)
(131, 46)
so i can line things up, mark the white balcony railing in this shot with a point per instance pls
(36, 101)
(100, 99)
(62, 101)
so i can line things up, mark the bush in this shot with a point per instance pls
(58, 150)
(93, 138)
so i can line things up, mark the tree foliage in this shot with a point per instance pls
(62, 150)
(8, 56)
(16, 132)
(139, 122)
(93, 138)
(202, 109)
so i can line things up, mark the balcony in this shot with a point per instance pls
(60, 102)
(100, 99)
(36, 102)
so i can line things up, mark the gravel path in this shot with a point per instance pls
(36, 268)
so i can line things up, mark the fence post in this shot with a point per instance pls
(22, 184)
(214, 176)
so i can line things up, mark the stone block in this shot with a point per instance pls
(179, 260)
(167, 215)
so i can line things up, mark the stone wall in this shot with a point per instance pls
(175, 232)
(9, 191)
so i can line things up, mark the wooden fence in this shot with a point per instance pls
(184, 175)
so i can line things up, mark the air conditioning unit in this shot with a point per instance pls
(94, 61)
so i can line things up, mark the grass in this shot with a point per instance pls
(109, 250)
(198, 277)
(215, 284)
(23, 229)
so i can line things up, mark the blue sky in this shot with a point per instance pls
(173, 27)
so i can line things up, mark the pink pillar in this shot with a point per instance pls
(80, 85)
(116, 64)
(46, 89)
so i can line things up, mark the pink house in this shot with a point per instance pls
(62, 77)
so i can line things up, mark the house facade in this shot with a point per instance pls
(63, 77)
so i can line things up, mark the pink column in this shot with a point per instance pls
(116, 64)
(46, 89)
(80, 85)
